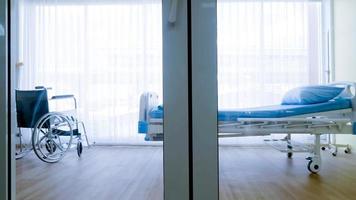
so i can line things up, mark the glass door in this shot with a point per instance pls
(269, 51)
(121, 60)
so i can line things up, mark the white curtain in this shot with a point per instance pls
(106, 53)
(266, 47)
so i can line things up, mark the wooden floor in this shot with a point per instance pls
(103, 173)
(136, 173)
(263, 173)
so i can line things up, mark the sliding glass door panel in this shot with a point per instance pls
(266, 48)
(108, 55)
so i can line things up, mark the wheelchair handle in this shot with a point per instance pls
(43, 87)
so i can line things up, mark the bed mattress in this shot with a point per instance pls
(275, 111)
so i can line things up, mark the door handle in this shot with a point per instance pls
(172, 18)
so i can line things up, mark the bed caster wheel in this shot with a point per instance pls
(323, 148)
(290, 154)
(79, 148)
(313, 167)
(334, 154)
(347, 150)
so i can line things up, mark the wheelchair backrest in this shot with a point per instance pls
(31, 105)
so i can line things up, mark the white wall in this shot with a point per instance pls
(345, 49)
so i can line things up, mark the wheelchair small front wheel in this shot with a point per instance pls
(290, 154)
(79, 148)
(348, 150)
(52, 137)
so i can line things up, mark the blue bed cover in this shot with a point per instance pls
(275, 111)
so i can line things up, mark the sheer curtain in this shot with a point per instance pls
(105, 52)
(266, 47)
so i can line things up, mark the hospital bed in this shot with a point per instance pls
(325, 112)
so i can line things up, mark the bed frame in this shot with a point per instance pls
(334, 122)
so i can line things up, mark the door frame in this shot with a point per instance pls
(190, 100)
(176, 148)
(7, 184)
(204, 98)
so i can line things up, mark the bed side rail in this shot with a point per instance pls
(252, 126)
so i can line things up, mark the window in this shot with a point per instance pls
(109, 53)
(106, 53)
(266, 47)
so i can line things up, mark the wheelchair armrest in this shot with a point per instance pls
(63, 96)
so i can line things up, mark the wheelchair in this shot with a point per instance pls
(52, 133)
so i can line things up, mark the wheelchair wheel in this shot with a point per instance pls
(79, 148)
(52, 137)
